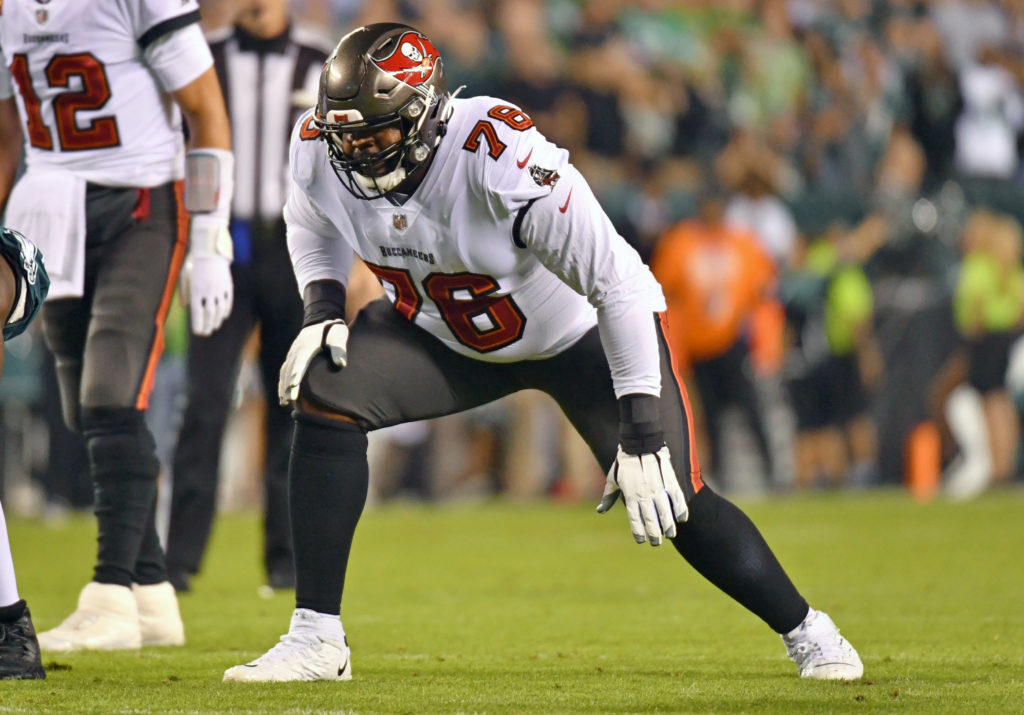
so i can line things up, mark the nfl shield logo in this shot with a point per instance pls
(399, 221)
(42, 16)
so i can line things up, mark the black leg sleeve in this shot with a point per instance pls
(124, 468)
(726, 548)
(150, 567)
(328, 478)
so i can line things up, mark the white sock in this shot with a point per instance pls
(8, 584)
(325, 625)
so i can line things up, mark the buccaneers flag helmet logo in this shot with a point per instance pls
(412, 61)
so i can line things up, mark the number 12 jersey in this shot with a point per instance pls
(92, 80)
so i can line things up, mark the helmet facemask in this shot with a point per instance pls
(372, 174)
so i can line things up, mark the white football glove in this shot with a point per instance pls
(330, 336)
(205, 283)
(654, 501)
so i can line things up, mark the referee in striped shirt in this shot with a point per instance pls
(268, 70)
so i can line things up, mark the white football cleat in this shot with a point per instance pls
(314, 648)
(159, 617)
(106, 619)
(820, 652)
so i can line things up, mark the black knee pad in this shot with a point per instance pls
(321, 436)
(119, 444)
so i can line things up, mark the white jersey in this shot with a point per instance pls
(92, 80)
(502, 252)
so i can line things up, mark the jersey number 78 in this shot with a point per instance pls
(484, 129)
(477, 319)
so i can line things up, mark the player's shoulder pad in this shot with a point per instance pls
(512, 155)
(306, 150)
(156, 19)
(305, 129)
(491, 127)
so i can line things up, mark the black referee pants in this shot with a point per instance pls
(266, 296)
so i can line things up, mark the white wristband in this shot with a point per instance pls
(209, 182)
(208, 235)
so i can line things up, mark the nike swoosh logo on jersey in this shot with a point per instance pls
(522, 163)
(565, 206)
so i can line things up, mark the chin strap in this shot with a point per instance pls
(448, 111)
(381, 184)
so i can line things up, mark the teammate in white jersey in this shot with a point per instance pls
(502, 273)
(100, 89)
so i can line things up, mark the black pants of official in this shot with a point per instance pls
(723, 381)
(266, 296)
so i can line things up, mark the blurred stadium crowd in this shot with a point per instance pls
(829, 190)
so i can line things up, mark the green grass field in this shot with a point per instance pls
(544, 608)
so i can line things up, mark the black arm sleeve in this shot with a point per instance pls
(323, 300)
(640, 430)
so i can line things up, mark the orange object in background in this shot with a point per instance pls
(924, 460)
(715, 277)
(768, 336)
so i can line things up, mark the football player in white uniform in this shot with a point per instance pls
(100, 89)
(502, 273)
